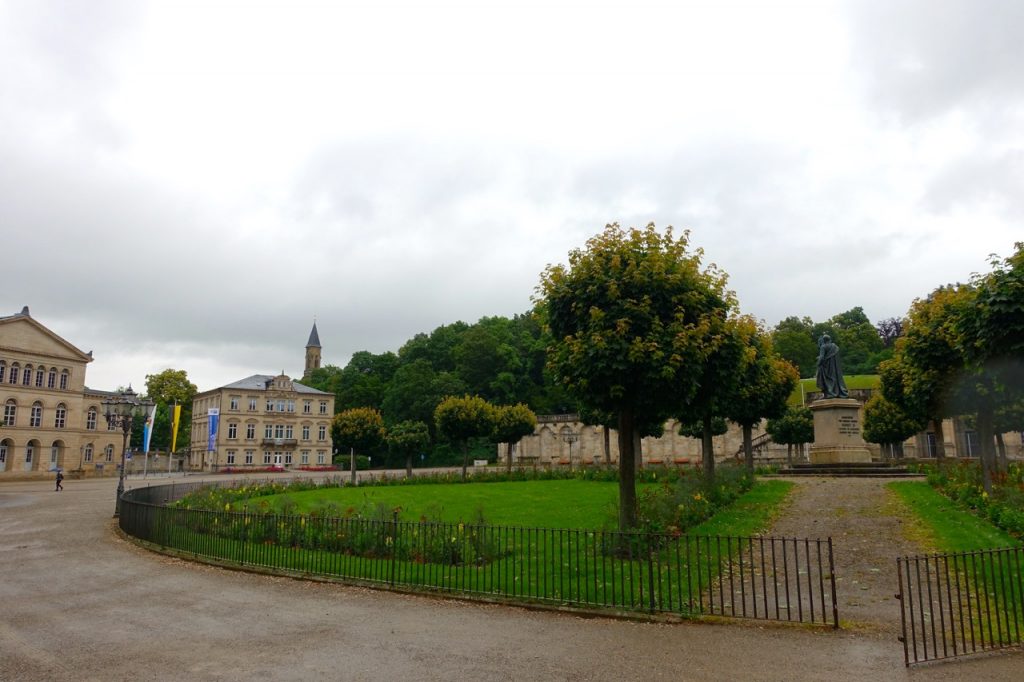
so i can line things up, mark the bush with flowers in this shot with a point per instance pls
(961, 481)
(683, 501)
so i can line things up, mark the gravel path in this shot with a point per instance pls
(78, 603)
(862, 517)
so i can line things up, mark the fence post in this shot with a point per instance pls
(903, 615)
(650, 575)
(394, 546)
(832, 579)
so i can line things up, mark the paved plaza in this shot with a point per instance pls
(79, 603)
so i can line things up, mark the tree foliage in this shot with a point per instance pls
(512, 423)
(458, 419)
(886, 424)
(633, 320)
(406, 439)
(165, 389)
(361, 428)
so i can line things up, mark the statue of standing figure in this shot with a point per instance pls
(830, 371)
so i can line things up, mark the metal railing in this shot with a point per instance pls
(779, 579)
(963, 603)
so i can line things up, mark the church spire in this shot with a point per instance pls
(312, 352)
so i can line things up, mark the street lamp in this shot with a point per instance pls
(570, 438)
(120, 412)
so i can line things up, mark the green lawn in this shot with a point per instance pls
(945, 526)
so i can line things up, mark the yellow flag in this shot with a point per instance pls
(175, 418)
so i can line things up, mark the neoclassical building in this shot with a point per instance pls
(263, 420)
(50, 418)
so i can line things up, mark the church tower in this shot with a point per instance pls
(312, 352)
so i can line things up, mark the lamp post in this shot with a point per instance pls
(570, 438)
(120, 412)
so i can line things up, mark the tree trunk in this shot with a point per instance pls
(987, 443)
(627, 472)
(789, 454)
(508, 452)
(940, 440)
(607, 447)
(707, 446)
(748, 447)
(352, 463)
(638, 450)
(465, 458)
(1004, 464)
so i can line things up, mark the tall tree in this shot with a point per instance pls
(888, 425)
(512, 423)
(793, 339)
(166, 389)
(460, 419)
(360, 428)
(630, 319)
(406, 439)
(765, 382)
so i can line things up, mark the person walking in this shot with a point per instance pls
(60, 477)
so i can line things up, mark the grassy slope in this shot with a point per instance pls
(944, 526)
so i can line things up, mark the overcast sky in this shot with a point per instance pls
(187, 184)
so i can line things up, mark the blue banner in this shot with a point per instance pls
(147, 429)
(214, 417)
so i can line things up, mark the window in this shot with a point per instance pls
(288, 433)
(252, 404)
(234, 402)
(65, 376)
(30, 450)
(231, 456)
(266, 457)
(248, 456)
(232, 431)
(323, 407)
(268, 431)
(288, 458)
(322, 435)
(305, 457)
(3, 369)
(279, 431)
(88, 453)
(250, 431)
(40, 374)
(90, 419)
(51, 380)
(307, 407)
(280, 406)
(320, 455)
(3, 453)
(291, 405)
(270, 405)
(14, 373)
(60, 416)
(10, 412)
(54, 454)
(305, 433)
(26, 376)
(108, 453)
(111, 426)
(35, 418)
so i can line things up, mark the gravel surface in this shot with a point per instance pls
(79, 603)
(862, 518)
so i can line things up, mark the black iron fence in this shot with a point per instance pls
(962, 603)
(780, 579)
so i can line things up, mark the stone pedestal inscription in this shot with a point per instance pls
(837, 434)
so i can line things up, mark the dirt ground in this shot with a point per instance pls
(79, 603)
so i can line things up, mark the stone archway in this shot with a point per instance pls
(56, 455)
(32, 456)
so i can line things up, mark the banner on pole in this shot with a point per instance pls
(175, 418)
(147, 429)
(214, 417)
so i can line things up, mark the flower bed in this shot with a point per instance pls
(962, 482)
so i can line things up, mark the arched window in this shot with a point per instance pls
(30, 451)
(65, 376)
(108, 453)
(52, 379)
(3, 370)
(10, 412)
(60, 417)
(35, 419)
(87, 455)
(90, 419)
(55, 453)
(26, 376)
(14, 373)
(40, 376)
(3, 454)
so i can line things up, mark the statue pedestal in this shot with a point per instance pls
(837, 432)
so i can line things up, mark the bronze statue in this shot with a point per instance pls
(830, 371)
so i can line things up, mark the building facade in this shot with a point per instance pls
(50, 418)
(263, 421)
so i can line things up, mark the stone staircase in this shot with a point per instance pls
(856, 469)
